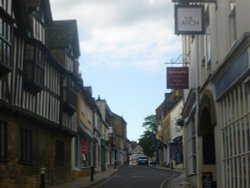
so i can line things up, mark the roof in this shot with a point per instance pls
(38, 8)
(63, 34)
(31, 4)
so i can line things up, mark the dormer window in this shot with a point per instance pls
(5, 47)
(34, 63)
(69, 95)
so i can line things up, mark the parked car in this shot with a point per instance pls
(152, 162)
(143, 160)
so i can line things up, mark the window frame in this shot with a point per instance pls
(3, 140)
(59, 152)
(6, 37)
(25, 146)
(69, 94)
(35, 58)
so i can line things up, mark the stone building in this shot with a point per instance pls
(119, 134)
(170, 149)
(216, 110)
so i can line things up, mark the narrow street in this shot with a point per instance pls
(139, 176)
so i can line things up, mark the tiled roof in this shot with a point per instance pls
(63, 34)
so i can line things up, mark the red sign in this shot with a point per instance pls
(84, 146)
(177, 78)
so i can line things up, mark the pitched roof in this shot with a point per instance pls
(31, 4)
(63, 34)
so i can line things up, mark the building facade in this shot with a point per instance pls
(37, 94)
(171, 134)
(119, 136)
(216, 110)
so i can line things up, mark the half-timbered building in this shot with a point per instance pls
(38, 84)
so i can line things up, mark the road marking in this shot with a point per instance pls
(164, 181)
(136, 176)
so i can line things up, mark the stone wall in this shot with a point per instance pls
(14, 173)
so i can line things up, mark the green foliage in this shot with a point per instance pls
(145, 141)
(150, 123)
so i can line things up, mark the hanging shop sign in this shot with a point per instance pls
(189, 19)
(177, 78)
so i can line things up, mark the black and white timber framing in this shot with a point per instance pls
(38, 63)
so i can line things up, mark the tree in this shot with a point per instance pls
(150, 123)
(146, 141)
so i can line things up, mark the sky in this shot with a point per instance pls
(124, 47)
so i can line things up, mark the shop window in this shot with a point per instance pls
(59, 152)
(69, 95)
(26, 146)
(34, 65)
(77, 152)
(5, 47)
(3, 140)
(191, 141)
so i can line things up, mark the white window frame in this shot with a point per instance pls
(235, 123)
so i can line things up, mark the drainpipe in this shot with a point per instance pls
(197, 114)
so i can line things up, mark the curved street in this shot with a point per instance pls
(139, 176)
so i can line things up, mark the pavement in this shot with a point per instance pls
(100, 177)
(178, 181)
(85, 182)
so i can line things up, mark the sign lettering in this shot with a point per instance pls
(189, 19)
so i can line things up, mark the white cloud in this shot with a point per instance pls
(120, 33)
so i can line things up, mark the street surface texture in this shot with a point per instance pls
(139, 176)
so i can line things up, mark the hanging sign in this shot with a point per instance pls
(189, 19)
(177, 78)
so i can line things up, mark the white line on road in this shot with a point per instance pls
(136, 176)
(164, 181)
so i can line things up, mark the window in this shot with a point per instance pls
(232, 22)
(26, 146)
(34, 65)
(191, 148)
(69, 95)
(5, 46)
(59, 152)
(3, 140)
(207, 38)
(235, 118)
(77, 152)
(6, 5)
(39, 31)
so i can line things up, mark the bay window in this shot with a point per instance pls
(69, 94)
(34, 65)
(5, 47)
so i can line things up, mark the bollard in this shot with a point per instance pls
(91, 173)
(42, 178)
(114, 164)
(171, 165)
